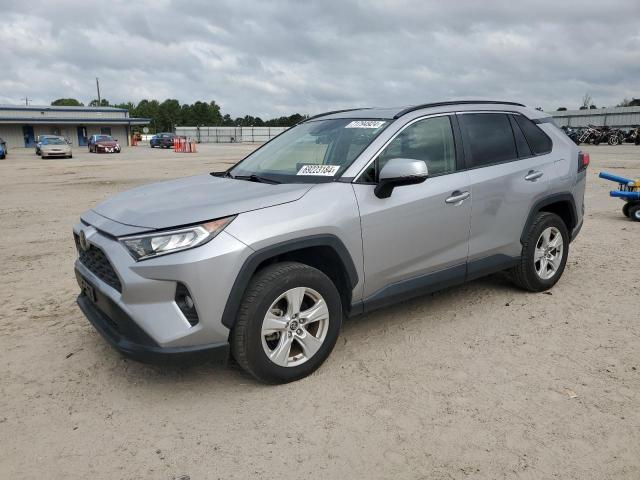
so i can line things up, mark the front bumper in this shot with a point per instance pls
(141, 296)
(58, 153)
(130, 340)
(107, 149)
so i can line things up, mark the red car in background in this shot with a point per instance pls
(103, 144)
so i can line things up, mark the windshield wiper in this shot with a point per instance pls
(254, 178)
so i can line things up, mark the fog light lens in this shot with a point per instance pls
(185, 303)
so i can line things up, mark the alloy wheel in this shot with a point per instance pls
(548, 254)
(295, 327)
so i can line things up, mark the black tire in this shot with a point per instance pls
(524, 274)
(265, 288)
(634, 212)
(625, 209)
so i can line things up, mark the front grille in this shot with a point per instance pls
(97, 262)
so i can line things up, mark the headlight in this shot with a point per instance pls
(161, 243)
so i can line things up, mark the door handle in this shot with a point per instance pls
(533, 175)
(457, 197)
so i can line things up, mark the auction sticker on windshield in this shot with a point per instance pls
(324, 170)
(365, 124)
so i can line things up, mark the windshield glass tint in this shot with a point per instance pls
(312, 151)
(105, 138)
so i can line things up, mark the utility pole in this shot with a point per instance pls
(26, 101)
(98, 87)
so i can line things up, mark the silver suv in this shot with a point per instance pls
(344, 213)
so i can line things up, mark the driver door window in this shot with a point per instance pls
(430, 140)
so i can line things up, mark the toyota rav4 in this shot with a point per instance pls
(344, 213)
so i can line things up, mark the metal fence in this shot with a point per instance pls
(230, 134)
(617, 117)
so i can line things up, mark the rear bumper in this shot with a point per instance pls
(131, 341)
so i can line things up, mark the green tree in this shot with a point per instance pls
(67, 102)
(130, 106)
(102, 103)
(169, 115)
(148, 109)
(561, 109)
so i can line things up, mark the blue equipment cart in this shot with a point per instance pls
(629, 191)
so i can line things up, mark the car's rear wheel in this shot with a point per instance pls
(544, 254)
(288, 322)
(634, 212)
(625, 209)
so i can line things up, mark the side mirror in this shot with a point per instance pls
(398, 172)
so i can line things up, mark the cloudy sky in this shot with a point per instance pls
(269, 58)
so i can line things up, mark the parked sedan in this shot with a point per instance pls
(55, 147)
(162, 140)
(3, 148)
(103, 144)
(40, 139)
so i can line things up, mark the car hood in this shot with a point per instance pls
(194, 199)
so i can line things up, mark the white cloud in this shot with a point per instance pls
(280, 57)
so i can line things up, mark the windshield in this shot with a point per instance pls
(313, 151)
(53, 141)
(104, 138)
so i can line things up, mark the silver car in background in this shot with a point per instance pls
(346, 212)
(55, 147)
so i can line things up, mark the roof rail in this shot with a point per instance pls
(334, 111)
(444, 104)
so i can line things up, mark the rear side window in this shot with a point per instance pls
(489, 138)
(539, 142)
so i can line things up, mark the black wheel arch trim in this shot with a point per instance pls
(254, 260)
(546, 201)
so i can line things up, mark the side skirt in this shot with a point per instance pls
(432, 282)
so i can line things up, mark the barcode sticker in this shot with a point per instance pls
(365, 124)
(324, 170)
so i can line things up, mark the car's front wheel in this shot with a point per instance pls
(288, 322)
(544, 254)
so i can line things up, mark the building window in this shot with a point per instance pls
(105, 130)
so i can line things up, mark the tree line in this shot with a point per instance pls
(167, 115)
(587, 103)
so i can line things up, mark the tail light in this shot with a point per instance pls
(583, 161)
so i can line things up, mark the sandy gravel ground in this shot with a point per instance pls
(478, 381)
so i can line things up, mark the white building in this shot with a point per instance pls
(21, 125)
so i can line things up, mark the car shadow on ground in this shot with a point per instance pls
(370, 325)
